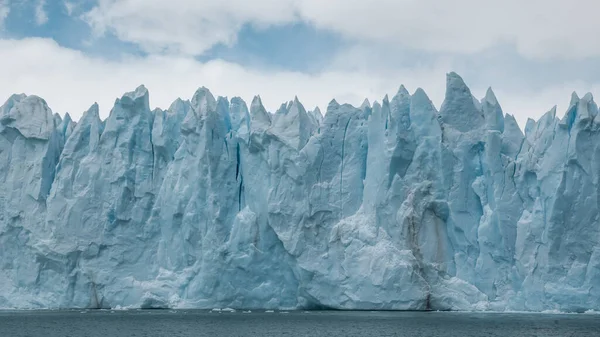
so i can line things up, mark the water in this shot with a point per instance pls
(184, 323)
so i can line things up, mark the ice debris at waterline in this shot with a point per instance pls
(211, 204)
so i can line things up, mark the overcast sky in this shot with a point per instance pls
(533, 53)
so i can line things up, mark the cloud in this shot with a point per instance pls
(41, 17)
(71, 81)
(69, 7)
(183, 26)
(4, 11)
(538, 28)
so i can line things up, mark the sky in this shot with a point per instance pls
(72, 53)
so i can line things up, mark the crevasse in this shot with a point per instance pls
(210, 203)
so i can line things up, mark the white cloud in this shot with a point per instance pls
(69, 7)
(183, 26)
(4, 11)
(41, 17)
(71, 81)
(538, 28)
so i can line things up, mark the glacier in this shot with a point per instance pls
(216, 204)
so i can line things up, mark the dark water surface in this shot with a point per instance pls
(183, 323)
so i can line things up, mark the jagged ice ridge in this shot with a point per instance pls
(214, 204)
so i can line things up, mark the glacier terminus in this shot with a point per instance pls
(215, 203)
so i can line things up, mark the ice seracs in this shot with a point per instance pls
(216, 204)
(460, 109)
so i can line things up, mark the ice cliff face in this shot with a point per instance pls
(212, 203)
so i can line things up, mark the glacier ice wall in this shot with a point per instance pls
(212, 203)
